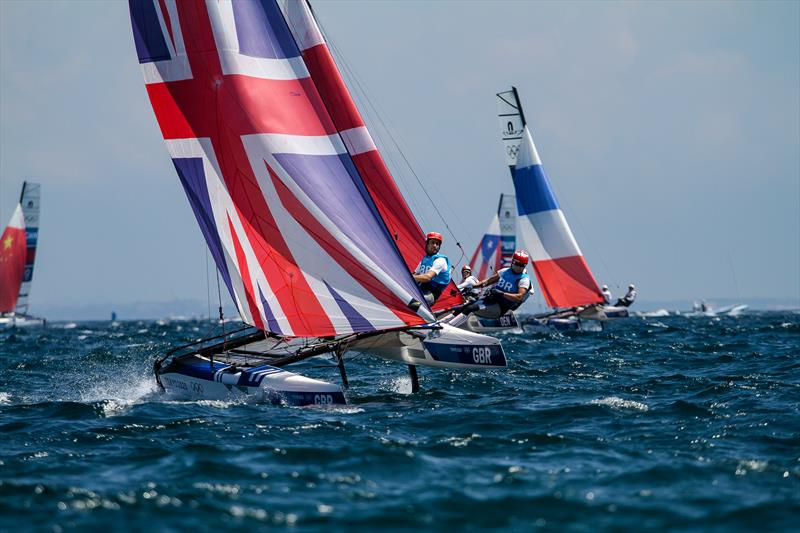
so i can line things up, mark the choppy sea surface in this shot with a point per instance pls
(667, 423)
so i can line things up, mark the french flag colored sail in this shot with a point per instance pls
(29, 200)
(399, 220)
(564, 276)
(12, 261)
(488, 256)
(269, 168)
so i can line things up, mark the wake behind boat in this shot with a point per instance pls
(306, 225)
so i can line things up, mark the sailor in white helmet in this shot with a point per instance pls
(606, 295)
(467, 285)
(629, 297)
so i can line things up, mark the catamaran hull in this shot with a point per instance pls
(194, 378)
(20, 321)
(507, 323)
(559, 325)
(443, 347)
(604, 313)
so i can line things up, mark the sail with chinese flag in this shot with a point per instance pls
(13, 250)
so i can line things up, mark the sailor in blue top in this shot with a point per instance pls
(433, 272)
(512, 286)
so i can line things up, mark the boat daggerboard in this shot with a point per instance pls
(562, 272)
(254, 115)
(29, 199)
(12, 260)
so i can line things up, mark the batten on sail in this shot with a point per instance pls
(562, 272)
(258, 144)
(12, 260)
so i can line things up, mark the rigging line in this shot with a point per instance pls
(735, 282)
(208, 285)
(368, 100)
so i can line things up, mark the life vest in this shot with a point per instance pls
(509, 282)
(443, 277)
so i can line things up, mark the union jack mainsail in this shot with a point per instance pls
(305, 223)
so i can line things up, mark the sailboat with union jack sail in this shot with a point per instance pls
(308, 230)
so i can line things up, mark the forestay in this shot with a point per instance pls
(277, 166)
(562, 272)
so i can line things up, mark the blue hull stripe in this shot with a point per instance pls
(491, 355)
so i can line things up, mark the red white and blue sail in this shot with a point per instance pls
(29, 199)
(498, 243)
(562, 272)
(12, 261)
(253, 113)
(488, 256)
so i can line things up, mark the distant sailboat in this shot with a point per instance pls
(18, 247)
(307, 227)
(566, 282)
(498, 243)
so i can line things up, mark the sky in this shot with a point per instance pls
(670, 132)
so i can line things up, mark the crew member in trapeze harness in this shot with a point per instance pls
(606, 295)
(467, 285)
(433, 272)
(629, 297)
(511, 287)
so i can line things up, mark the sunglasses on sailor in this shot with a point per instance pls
(517, 264)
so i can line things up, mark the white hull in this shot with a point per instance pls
(260, 385)
(507, 323)
(560, 325)
(445, 347)
(604, 313)
(20, 321)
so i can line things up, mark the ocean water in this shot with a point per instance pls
(665, 423)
